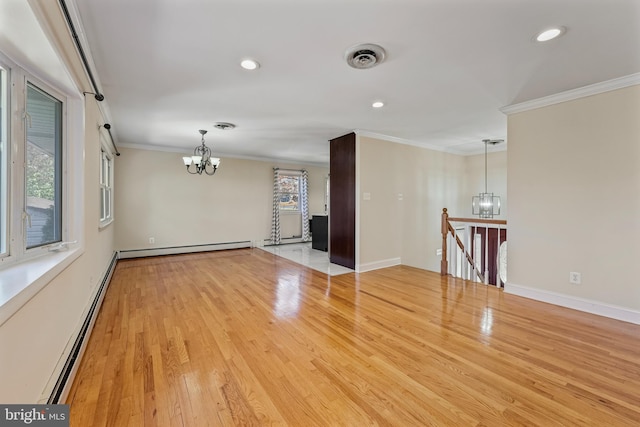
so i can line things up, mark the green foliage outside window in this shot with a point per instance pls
(40, 173)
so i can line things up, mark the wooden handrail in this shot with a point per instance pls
(478, 220)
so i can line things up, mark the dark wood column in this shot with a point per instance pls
(342, 203)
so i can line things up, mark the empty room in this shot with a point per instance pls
(319, 213)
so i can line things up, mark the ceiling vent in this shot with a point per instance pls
(224, 126)
(493, 141)
(365, 56)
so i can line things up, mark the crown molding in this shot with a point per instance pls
(450, 149)
(183, 151)
(150, 147)
(570, 95)
(397, 140)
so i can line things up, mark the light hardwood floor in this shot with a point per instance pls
(245, 337)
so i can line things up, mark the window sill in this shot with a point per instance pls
(21, 282)
(105, 224)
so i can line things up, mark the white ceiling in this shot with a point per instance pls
(170, 67)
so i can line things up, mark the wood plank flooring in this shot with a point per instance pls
(243, 337)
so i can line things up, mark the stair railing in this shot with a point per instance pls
(476, 273)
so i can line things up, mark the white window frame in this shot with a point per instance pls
(105, 183)
(297, 175)
(16, 212)
(18, 168)
(22, 154)
(5, 175)
(23, 273)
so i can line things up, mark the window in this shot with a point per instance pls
(43, 168)
(42, 164)
(106, 187)
(327, 183)
(4, 161)
(37, 205)
(289, 188)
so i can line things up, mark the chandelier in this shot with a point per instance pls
(201, 159)
(486, 205)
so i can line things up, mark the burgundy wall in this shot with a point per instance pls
(342, 200)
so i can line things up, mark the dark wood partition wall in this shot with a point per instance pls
(342, 201)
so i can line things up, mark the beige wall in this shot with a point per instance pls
(379, 213)
(156, 197)
(408, 229)
(34, 339)
(432, 180)
(574, 197)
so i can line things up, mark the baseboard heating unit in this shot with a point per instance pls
(174, 250)
(62, 386)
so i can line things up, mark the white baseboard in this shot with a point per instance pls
(361, 268)
(59, 385)
(581, 304)
(140, 253)
(285, 241)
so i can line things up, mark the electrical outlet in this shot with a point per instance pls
(439, 252)
(575, 278)
(152, 240)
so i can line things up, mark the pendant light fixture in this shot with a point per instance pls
(486, 205)
(201, 159)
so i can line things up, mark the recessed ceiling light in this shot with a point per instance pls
(550, 34)
(378, 104)
(249, 64)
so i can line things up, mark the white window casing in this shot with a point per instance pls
(25, 269)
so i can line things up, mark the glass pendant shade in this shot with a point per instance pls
(485, 205)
